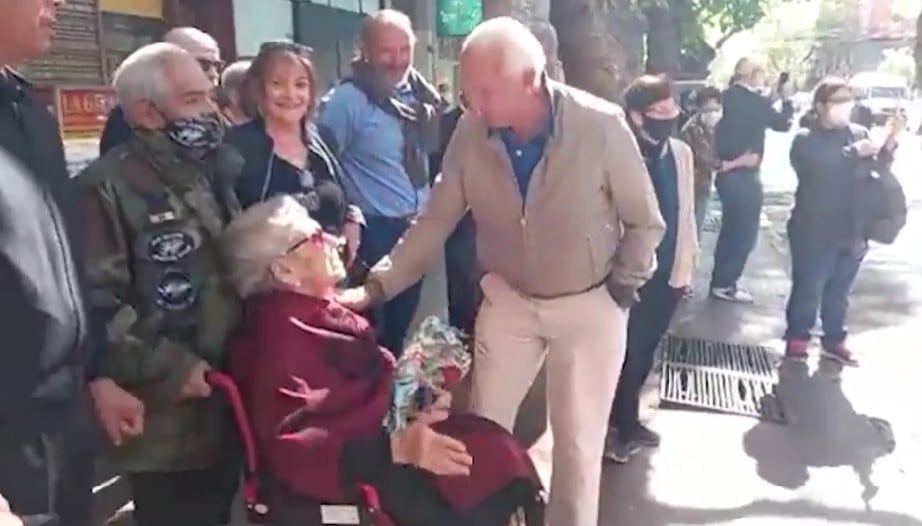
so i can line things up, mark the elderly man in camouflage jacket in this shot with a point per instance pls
(155, 208)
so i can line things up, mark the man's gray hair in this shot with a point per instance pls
(519, 48)
(189, 37)
(233, 75)
(141, 76)
(259, 236)
(384, 17)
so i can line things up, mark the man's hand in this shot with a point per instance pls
(624, 295)
(357, 299)
(196, 385)
(353, 234)
(864, 148)
(121, 414)
(420, 446)
(749, 160)
(438, 411)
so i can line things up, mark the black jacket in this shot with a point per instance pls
(265, 176)
(116, 132)
(42, 320)
(746, 117)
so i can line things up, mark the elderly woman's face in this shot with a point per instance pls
(313, 262)
(287, 90)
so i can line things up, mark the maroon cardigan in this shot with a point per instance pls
(325, 443)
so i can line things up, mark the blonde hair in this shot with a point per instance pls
(517, 47)
(261, 235)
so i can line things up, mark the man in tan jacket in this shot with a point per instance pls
(567, 225)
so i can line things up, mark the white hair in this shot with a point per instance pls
(190, 38)
(259, 236)
(233, 75)
(518, 48)
(142, 75)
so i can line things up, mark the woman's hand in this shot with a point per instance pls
(437, 412)
(864, 148)
(420, 446)
(353, 234)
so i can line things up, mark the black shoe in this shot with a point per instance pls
(620, 452)
(646, 437)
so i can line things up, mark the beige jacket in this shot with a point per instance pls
(686, 250)
(591, 214)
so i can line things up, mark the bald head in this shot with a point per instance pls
(387, 43)
(508, 44)
(200, 45)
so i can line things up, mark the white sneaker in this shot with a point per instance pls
(735, 294)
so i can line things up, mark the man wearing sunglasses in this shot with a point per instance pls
(196, 42)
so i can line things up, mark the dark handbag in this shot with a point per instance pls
(880, 202)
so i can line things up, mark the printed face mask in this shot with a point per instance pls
(204, 132)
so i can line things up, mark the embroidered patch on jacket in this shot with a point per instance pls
(175, 290)
(170, 247)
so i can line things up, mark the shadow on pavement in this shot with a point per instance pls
(823, 430)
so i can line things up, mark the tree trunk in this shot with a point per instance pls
(664, 38)
(592, 58)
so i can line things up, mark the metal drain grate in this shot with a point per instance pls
(739, 379)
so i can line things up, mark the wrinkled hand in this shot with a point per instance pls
(6, 516)
(624, 295)
(353, 234)
(864, 148)
(419, 445)
(356, 299)
(437, 412)
(311, 397)
(121, 414)
(196, 385)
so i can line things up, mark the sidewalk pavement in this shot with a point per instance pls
(832, 462)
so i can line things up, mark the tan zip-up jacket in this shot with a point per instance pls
(590, 215)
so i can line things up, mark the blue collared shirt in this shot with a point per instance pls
(526, 156)
(369, 144)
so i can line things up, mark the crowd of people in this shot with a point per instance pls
(240, 221)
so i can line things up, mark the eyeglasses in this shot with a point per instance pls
(208, 65)
(282, 45)
(319, 239)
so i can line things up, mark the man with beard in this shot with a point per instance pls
(201, 45)
(155, 210)
(382, 122)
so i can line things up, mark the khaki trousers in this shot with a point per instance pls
(582, 337)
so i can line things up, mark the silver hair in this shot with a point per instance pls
(261, 235)
(188, 37)
(384, 17)
(141, 76)
(233, 75)
(519, 48)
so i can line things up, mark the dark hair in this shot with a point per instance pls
(647, 90)
(827, 88)
(707, 93)
(254, 81)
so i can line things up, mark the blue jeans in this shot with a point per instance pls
(392, 319)
(822, 276)
(648, 322)
(740, 194)
(462, 275)
(702, 204)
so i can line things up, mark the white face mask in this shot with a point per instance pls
(711, 118)
(840, 114)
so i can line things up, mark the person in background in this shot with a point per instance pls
(155, 210)
(229, 98)
(47, 440)
(382, 123)
(698, 133)
(283, 151)
(567, 225)
(827, 247)
(748, 112)
(652, 113)
(206, 52)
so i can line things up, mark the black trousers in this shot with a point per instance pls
(49, 471)
(185, 498)
(647, 324)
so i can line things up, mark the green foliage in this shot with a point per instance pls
(457, 17)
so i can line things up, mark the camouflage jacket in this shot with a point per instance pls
(701, 140)
(158, 285)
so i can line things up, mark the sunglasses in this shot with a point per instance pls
(290, 47)
(208, 65)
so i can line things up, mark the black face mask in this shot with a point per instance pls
(658, 130)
